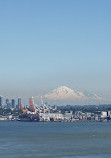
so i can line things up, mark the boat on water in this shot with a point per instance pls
(29, 117)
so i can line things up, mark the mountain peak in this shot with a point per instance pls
(64, 92)
(63, 87)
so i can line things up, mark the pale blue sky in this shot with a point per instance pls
(48, 43)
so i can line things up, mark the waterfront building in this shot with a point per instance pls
(103, 114)
(51, 116)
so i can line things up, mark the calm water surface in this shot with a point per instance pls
(55, 140)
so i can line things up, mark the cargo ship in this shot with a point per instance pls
(29, 117)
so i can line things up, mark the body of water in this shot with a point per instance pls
(55, 140)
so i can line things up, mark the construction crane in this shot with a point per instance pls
(31, 102)
(24, 111)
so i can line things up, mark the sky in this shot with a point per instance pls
(45, 44)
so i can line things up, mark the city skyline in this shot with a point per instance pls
(60, 96)
(48, 44)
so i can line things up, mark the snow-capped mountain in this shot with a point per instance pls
(65, 93)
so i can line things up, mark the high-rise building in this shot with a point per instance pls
(19, 102)
(1, 101)
(13, 103)
(7, 103)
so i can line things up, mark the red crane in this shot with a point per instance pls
(31, 102)
(24, 111)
